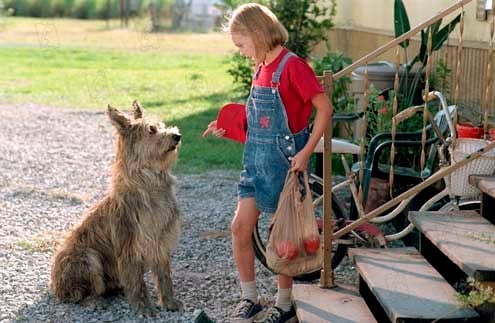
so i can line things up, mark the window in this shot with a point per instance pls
(488, 5)
(483, 8)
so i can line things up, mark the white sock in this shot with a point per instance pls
(284, 299)
(249, 291)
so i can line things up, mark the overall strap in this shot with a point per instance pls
(280, 68)
(256, 72)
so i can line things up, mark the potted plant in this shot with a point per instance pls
(491, 128)
(469, 130)
(470, 123)
(409, 90)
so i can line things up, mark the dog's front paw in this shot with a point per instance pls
(173, 305)
(146, 310)
(150, 311)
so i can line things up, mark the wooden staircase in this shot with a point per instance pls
(407, 285)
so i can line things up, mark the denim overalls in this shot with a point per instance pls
(269, 144)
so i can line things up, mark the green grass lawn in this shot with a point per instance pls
(181, 78)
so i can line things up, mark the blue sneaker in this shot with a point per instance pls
(246, 311)
(277, 315)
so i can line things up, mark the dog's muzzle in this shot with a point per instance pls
(176, 138)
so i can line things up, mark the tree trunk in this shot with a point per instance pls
(155, 16)
(122, 13)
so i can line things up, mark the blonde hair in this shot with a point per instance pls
(259, 23)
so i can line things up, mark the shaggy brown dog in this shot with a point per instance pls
(134, 228)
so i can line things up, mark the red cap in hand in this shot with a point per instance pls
(232, 118)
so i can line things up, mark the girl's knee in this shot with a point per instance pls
(237, 227)
(244, 220)
(241, 230)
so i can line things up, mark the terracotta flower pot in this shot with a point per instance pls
(466, 130)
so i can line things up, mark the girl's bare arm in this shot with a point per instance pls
(322, 118)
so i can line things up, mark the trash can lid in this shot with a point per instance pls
(382, 70)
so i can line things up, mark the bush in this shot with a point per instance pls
(334, 62)
(4, 10)
(115, 9)
(21, 7)
(78, 9)
(68, 4)
(58, 8)
(85, 9)
(43, 8)
(90, 9)
(307, 22)
(104, 9)
(36, 8)
(241, 69)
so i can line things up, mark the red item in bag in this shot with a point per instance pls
(312, 244)
(232, 117)
(287, 250)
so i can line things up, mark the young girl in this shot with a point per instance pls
(278, 110)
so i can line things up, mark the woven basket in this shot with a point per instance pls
(484, 165)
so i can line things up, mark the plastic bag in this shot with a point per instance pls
(294, 246)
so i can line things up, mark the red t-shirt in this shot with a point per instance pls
(298, 85)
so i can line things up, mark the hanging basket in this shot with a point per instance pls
(484, 165)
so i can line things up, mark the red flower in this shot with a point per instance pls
(381, 98)
(383, 110)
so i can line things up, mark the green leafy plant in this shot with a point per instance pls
(475, 293)
(84, 9)
(470, 115)
(4, 11)
(440, 79)
(478, 294)
(334, 62)
(438, 35)
(306, 21)
(241, 69)
(378, 112)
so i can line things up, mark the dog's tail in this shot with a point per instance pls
(77, 274)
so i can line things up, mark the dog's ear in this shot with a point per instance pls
(137, 110)
(118, 119)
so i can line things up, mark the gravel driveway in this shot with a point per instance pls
(54, 163)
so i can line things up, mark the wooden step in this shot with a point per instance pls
(341, 304)
(465, 237)
(486, 184)
(407, 287)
